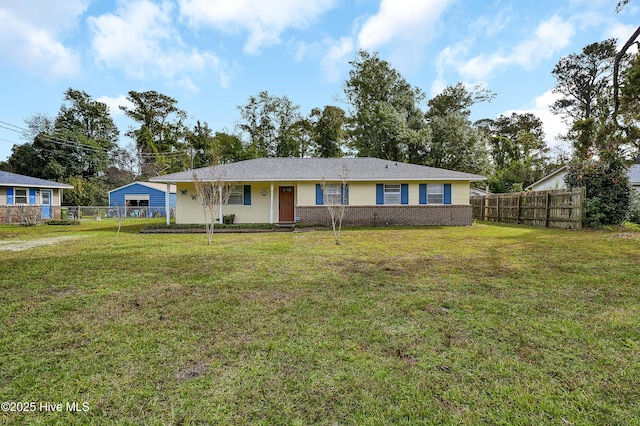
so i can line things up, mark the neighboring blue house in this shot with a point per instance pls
(22, 196)
(142, 199)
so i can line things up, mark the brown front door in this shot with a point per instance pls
(286, 202)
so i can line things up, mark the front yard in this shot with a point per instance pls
(475, 325)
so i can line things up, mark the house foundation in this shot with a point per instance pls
(422, 215)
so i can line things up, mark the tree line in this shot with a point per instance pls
(386, 117)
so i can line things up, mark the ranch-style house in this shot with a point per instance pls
(289, 190)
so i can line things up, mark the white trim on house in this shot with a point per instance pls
(15, 196)
(157, 186)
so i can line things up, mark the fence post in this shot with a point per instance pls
(518, 209)
(583, 201)
(485, 206)
(546, 209)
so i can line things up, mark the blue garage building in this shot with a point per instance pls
(142, 199)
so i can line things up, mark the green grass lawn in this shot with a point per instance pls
(474, 325)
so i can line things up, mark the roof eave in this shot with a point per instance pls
(289, 179)
(32, 185)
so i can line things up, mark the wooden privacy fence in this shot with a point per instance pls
(558, 208)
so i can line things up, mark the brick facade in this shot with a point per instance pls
(436, 215)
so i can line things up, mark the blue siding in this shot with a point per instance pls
(156, 197)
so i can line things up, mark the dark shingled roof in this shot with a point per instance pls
(315, 169)
(13, 179)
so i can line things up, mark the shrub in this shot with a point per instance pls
(608, 191)
(63, 222)
(634, 210)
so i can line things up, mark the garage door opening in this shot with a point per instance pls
(137, 205)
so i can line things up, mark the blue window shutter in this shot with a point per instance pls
(379, 193)
(32, 196)
(247, 195)
(404, 193)
(447, 193)
(9, 196)
(423, 193)
(319, 195)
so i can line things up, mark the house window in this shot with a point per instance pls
(237, 195)
(20, 196)
(435, 193)
(392, 194)
(332, 194)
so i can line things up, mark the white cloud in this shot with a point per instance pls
(401, 21)
(334, 62)
(188, 85)
(492, 25)
(334, 55)
(30, 35)
(448, 58)
(264, 21)
(622, 33)
(549, 38)
(114, 104)
(141, 40)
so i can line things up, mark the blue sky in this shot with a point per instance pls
(211, 55)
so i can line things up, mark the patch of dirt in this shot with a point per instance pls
(192, 372)
(26, 245)
(627, 235)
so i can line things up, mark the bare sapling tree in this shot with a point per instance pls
(335, 197)
(119, 212)
(212, 194)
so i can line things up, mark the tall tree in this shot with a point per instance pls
(269, 125)
(586, 81)
(518, 151)
(385, 109)
(201, 145)
(630, 99)
(79, 142)
(160, 131)
(455, 143)
(458, 99)
(328, 129)
(88, 128)
(229, 148)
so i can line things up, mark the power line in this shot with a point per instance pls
(7, 140)
(78, 145)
